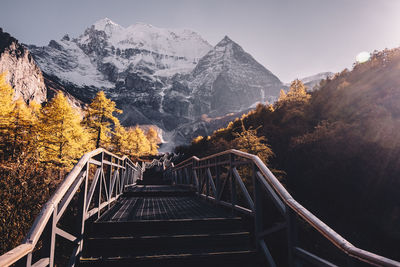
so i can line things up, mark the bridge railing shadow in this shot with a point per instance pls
(93, 185)
(242, 182)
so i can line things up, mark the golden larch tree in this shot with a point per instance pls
(21, 130)
(100, 119)
(248, 141)
(6, 107)
(62, 137)
(153, 138)
(120, 140)
(297, 91)
(138, 142)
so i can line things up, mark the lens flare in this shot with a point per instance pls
(363, 57)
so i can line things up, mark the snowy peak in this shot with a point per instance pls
(180, 42)
(226, 56)
(226, 41)
(227, 79)
(107, 53)
(106, 25)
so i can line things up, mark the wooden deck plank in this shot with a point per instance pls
(153, 207)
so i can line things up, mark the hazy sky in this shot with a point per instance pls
(292, 38)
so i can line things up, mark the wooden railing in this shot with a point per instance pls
(218, 178)
(96, 181)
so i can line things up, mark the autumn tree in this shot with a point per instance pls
(22, 130)
(6, 107)
(297, 91)
(282, 95)
(100, 119)
(138, 143)
(120, 140)
(62, 137)
(248, 141)
(152, 136)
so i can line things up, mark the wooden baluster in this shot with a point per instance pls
(258, 206)
(292, 236)
(233, 184)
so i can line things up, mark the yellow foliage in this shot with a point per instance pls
(282, 95)
(22, 129)
(297, 91)
(99, 119)
(138, 143)
(152, 136)
(62, 137)
(6, 103)
(248, 141)
(197, 139)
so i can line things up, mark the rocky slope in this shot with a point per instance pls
(22, 72)
(226, 79)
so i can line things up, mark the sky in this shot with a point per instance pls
(291, 38)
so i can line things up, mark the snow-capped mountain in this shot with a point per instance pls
(157, 76)
(226, 79)
(314, 80)
(106, 52)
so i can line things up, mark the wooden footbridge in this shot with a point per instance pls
(224, 210)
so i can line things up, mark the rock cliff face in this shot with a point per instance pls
(22, 72)
(226, 79)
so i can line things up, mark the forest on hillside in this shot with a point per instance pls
(40, 144)
(337, 149)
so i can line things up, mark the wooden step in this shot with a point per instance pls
(167, 244)
(205, 258)
(159, 191)
(164, 227)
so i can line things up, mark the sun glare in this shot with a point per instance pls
(363, 57)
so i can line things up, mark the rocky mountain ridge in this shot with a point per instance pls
(22, 73)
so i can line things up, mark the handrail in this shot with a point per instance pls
(296, 207)
(124, 169)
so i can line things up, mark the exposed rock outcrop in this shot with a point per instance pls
(22, 72)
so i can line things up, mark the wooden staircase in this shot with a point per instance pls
(150, 227)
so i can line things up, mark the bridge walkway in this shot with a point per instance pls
(160, 225)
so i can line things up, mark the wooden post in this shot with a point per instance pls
(45, 251)
(207, 179)
(53, 222)
(83, 206)
(258, 207)
(233, 184)
(217, 180)
(291, 221)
